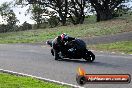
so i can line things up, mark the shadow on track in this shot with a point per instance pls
(95, 63)
(75, 61)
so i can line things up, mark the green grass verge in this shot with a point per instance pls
(11, 81)
(124, 46)
(84, 30)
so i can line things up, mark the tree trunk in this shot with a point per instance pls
(72, 19)
(78, 19)
(82, 15)
(38, 25)
(63, 18)
(63, 21)
(82, 19)
(104, 15)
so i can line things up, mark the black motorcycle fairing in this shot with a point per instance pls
(74, 49)
(78, 44)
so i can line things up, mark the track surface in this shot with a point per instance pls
(37, 60)
(126, 36)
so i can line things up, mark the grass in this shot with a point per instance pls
(11, 81)
(88, 29)
(124, 46)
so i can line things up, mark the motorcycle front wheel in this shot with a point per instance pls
(90, 57)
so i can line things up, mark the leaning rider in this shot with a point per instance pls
(59, 43)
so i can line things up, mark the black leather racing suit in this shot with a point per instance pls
(59, 45)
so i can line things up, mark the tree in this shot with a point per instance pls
(8, 15)
(53, 21)
(73, 8)
(105, 8)
(37, 13)
(3, 28)
(121, 10)
(25, 26)
(60, 6)
(76, 11)
(4, 10)
(11, 18)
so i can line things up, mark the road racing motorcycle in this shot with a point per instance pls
(75, 49)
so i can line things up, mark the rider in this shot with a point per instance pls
(61, 40)
(65, 38)
(59, 43)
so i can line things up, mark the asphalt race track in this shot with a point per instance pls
(36, 60)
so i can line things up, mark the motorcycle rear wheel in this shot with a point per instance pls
(58, 56)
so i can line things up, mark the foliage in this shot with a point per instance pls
(8, 14)
(105, 8)
(120, 10)
(37, 14)
(11, 20)
(74, 9)
(85, 30)
(3, 28)
(64, 8)
(53, 21)
(25, 26)
(9, 17)
(8, 28)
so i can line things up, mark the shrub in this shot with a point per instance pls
(53, 21)
(25, 26)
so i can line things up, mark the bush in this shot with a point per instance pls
(121, 10)
(53, 21)
(3, 28)
(13, 28)
(25, 26)
(8, 28)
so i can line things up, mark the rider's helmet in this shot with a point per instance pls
(64, 36)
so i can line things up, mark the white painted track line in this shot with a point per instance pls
(40, 78)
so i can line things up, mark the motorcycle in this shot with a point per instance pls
(75, 49)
